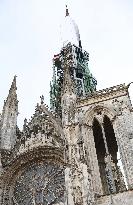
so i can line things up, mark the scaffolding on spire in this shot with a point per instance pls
(77, 64)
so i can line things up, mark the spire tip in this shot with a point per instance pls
(13, 85)
(67, 12)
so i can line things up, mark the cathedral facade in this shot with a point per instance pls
(68, 154)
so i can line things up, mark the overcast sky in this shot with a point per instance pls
(30, 36)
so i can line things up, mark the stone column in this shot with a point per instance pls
(87, 189)
(108, 168)
(0, 195)
(92, 161)
(123, 128)
(1, 168)
(69, 197)
(1, 189)
(79, 189)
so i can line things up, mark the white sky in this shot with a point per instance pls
(30, 36)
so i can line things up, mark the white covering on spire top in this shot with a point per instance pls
(69, 30)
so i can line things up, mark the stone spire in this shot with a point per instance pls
(13, 85)
(9, 118)
(68, 85)
(68, 99)
(76, 62)
(67, 61)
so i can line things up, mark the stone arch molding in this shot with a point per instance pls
(24, 161)
(98, 112)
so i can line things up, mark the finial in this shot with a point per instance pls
(13, 86)
(67, 12)
(25, 121)
(42, 99)
(14, 79)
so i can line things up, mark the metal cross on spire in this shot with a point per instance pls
(67, 12)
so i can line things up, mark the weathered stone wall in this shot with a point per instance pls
(91, 158)
(118, 199)
(78, 179)
(115, 104)
(73, 144)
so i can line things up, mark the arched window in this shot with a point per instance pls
(113, 151)
(110, 138)
(106, 145)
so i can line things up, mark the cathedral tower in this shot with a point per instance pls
(68, 154)
(100, 130)
(84, 82)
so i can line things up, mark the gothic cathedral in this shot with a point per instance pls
(68, 154)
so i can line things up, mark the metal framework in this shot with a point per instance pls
(84, 81)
